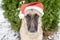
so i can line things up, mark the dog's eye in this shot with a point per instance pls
(36, 16)
(28, 16)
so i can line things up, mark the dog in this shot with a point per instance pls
(31, 27)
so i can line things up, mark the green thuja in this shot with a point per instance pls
(11, 12)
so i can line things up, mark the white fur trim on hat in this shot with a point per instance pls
(35, 7)
(21, 15)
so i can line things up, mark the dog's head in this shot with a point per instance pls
(32, 17)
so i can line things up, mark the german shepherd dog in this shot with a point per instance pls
(31, 27)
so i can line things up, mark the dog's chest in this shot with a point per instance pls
(31, 37)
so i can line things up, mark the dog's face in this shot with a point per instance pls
(32, 16)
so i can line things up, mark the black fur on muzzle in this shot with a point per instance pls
(32, 22)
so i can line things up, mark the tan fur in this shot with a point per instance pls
(25, 35)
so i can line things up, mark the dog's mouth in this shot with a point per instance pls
(32, 22)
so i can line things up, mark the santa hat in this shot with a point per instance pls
(34, 5)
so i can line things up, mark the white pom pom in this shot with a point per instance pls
(21, 16)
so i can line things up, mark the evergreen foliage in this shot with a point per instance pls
(11, 12)
(50, 18)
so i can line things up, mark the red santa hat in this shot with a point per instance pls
(34, 5)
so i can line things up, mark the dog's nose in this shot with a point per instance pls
(32, 29)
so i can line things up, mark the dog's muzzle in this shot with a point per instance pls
(32, 22)
(32, 29)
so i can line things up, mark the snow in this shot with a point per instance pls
(1, 15)
(56, 35)
(6, 32)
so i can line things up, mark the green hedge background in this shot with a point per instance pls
(49, 20)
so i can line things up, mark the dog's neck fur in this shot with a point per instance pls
(25, 35)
